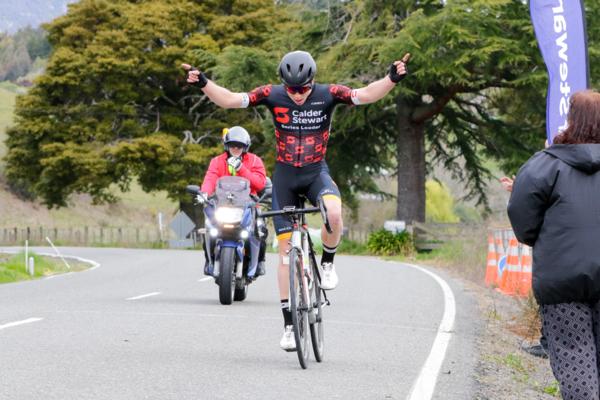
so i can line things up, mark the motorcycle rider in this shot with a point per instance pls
(235, 161)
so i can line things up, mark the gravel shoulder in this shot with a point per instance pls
(505, 371)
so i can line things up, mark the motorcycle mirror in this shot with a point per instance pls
(193, 189)
(267, 190)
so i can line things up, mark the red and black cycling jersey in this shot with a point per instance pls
(302, 131)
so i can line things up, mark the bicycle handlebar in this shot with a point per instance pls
(296, 211)
(289, 211)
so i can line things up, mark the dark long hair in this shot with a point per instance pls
(583, 118)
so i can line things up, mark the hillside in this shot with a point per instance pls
(19, 14)
(135, 209)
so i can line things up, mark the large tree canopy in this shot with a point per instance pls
(109, 107)
(476, 89)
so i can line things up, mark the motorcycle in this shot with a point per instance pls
(233, 235)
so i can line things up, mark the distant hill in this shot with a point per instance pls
(21, 13)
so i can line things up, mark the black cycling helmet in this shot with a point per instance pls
(236, 134)
(297, 68)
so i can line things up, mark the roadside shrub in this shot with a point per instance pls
(439, 204)
(386, 243)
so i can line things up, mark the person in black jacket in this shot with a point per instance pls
(555, 208)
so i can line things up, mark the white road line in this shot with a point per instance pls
(208, 278)
(25, 321)
(143, 296)
(425, 384)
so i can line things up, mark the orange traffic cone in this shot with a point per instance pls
(499, 246)
(491, 269)
(526, 271)
(511, 281)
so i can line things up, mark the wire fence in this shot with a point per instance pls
(86, 236)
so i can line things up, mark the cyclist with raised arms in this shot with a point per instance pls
(302, 111)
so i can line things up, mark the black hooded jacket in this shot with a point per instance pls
(555, 208)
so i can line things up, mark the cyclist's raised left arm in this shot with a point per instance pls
(379, 89)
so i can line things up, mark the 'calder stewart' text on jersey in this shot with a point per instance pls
(302, 131)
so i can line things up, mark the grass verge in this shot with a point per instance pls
(12, 267)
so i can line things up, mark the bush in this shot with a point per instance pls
(386, 243)
(439, 203)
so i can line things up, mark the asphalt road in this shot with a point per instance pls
(146, 325)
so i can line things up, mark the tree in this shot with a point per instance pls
(470, 60)
(110, 107)
(19, 51)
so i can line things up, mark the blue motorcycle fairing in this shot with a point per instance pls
(247, 218)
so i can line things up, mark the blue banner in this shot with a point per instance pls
(560, 30)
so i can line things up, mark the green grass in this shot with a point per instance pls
(154, 202)
(12, 267)
(515, 363)
(552, 389)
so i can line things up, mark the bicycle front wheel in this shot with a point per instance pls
(298, 303)
(317, 333)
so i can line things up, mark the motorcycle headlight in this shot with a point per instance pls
(229, 215)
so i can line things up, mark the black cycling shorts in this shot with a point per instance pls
(289, 183)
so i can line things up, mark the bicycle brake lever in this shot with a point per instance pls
(324, 216)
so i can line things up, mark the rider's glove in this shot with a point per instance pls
(202, 79)
(394, 76)
(201, 198)
(235, 163)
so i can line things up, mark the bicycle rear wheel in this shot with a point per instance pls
(317, 333)
(298, 305)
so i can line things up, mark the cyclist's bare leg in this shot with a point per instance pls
(283, 276)
(287, 342)
(329, 278)
(334, 214)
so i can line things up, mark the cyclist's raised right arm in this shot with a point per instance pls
(219, 95)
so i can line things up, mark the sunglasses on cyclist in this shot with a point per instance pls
(298, 89)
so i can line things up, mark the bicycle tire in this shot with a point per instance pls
(298, 307)
(317, 334)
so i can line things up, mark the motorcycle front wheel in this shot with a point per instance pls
(227, 275)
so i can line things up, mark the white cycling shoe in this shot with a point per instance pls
(329, 278)
(288, 342)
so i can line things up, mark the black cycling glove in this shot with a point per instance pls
(394, 76)
(203, 80)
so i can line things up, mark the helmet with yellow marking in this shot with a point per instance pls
(236, 135)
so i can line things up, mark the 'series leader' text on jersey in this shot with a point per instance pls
(302, 131)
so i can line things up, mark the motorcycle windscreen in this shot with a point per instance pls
(233, 191)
